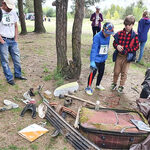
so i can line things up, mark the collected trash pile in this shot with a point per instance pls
(94, 127)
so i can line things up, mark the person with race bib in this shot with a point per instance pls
(98, 56)
(8, 42)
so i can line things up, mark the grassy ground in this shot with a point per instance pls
(38, 59)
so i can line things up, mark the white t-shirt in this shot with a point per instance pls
(7, 25)
(97, 20)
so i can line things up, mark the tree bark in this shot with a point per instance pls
(76, 38)
(1, 3)
(39, 27)
(61, 35)
(22, 17)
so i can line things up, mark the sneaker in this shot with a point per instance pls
(10, 103)
(120, 89)
(113, 86)
(89, 91)
(100, 87)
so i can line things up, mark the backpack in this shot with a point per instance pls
(131, 56)
(145, 93)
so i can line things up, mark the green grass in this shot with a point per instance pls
(34, 147)
(46, 70)
(12, 147)
(55, 75)
(48, 77)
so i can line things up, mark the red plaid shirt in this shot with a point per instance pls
(124, 40)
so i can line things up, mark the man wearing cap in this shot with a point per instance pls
(8, 42)
(98, 56)
(96, 19)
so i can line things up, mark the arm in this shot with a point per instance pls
(16, 31)
(101, 17)
(92, 17)
(116, 43)
(139, 29)
(1, 40)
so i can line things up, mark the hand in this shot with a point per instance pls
(93, 18)
(93, 65)
(2, 41)
(119, 48)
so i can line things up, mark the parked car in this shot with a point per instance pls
(29, 16)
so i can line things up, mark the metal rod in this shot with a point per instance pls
(69, 127)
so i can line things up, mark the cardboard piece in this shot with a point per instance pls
(32, 132)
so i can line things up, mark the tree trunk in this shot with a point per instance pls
(22, 17)
(1, 3)
(39, 27)
(61, 35)
(76, 38)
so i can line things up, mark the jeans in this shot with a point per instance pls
(100, 68)
(10, 47)
(142, 44)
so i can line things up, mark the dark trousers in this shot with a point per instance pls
(100, 68)
(95, 30)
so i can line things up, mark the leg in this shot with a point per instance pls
(4, 54)
(14, 51)
(94, 30)
(101, 68)
(98, 29)
(89, 78)
(117, 69)
(124, 71)
(142, 44)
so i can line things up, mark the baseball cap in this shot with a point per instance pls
(10, 4)
(108, 28)
(97, 7)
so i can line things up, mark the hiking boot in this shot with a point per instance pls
(120, 89)
(113, 86)
(100, 87)
(89, 91)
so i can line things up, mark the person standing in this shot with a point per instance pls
(126, 44)
(143, 28)
(96, 19)
(8, 42)
(98, 56)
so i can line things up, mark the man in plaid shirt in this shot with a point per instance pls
(125, 42)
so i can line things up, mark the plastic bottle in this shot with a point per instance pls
(97, 105)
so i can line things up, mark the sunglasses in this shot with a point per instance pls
(127, 24)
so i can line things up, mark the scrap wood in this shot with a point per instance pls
(76, 124)
(81, 99)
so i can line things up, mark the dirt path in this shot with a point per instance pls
(38, 57)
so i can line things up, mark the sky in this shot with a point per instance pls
(105, 4)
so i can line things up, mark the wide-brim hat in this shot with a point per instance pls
(10, 4)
